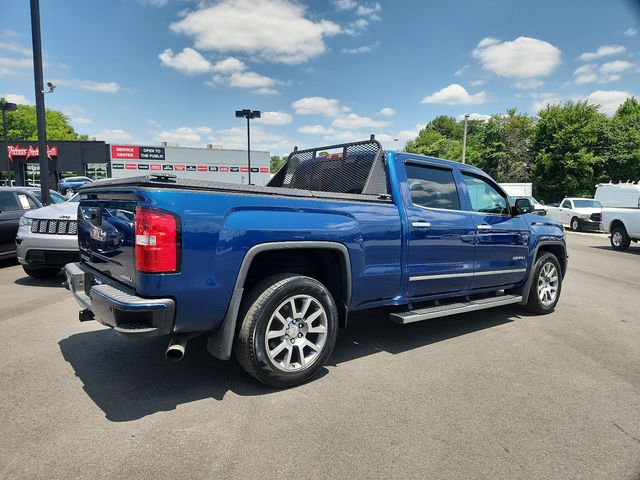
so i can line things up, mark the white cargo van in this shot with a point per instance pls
(621, 195)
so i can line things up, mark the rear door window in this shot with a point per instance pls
(432, 187)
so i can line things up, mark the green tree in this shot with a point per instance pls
(22, 125)
(623, 155)
(569, 143)
(507, 141)
(276, 163)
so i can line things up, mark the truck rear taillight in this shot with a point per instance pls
(157, 241)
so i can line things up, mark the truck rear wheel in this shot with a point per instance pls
(620, 240)
(546, 284)
(288, 330)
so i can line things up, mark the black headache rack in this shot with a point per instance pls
(351, 168)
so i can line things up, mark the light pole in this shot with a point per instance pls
(40, 115)
(248, 114)
(6, 107)
(464, 138)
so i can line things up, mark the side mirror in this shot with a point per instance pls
(523, 205)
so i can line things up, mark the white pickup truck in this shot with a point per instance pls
(578, 213)
(623, 224)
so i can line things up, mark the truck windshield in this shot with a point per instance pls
(587, 204)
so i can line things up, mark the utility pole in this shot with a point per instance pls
(464, 139)
(40, 112)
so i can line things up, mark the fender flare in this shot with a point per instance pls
(220, 342)
(526, 287)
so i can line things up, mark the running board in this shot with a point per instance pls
(453, 309)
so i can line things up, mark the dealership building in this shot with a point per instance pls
(96, 160)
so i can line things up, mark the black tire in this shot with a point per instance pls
(575, 224)
(41, 272)
(535, 304)
(251, 347)
(620, 239)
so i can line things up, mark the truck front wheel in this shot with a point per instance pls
(288, 330)
(546, 284)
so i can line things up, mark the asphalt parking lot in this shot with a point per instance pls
(495, 394)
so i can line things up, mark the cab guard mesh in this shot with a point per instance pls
(356, 168)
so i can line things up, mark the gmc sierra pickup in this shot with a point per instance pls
(271, 272)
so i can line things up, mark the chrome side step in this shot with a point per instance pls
(453, 309)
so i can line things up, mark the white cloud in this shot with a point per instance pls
(369, 10)
(362, 49)
(111, 135)
(529, 84)
(16, 98)
(398, 139)
(250, 80)
(228, 65)
(631, 32)
(329, 107)
(184, 135)
(522, 58)
(103, 87)
(609, 100)
(265, 91)
(356, 27)
(345, 4)
(607, 72)
(354, 121)
(81, 120)
(274, 118)
(617, 66)
(11, 67)
(474, 116)
(603, 51)
(455, 94)
(236, 138)
(153, 123)
(315, 130)
(15, 48)
(271, 30)
(541, 100)
(461, 71)
(188, 61)
(477, 83)
(387, 112)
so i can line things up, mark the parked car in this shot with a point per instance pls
(14, 202)
(271, 272)
(538, 207)
(623, 224)
(623, 195)
(47, 239)
(578, 213)
(72, 183)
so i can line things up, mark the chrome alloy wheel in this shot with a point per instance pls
(548, 284)
(296, 333)
(616, 238)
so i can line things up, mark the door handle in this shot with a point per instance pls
(421, 224)
(484, 228)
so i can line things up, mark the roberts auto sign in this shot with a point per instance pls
(29, 152)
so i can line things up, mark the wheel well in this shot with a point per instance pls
(615, 224)
(558, 251)
(326, 265)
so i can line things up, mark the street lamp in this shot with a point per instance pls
(248, 114)
(464, 138)
(40, 111)
(6, 107)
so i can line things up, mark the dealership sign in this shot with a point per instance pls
(30, 152)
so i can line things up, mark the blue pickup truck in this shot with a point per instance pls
(271, 272)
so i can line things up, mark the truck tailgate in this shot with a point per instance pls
(106, 236)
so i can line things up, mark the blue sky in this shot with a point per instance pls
(146, 71)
